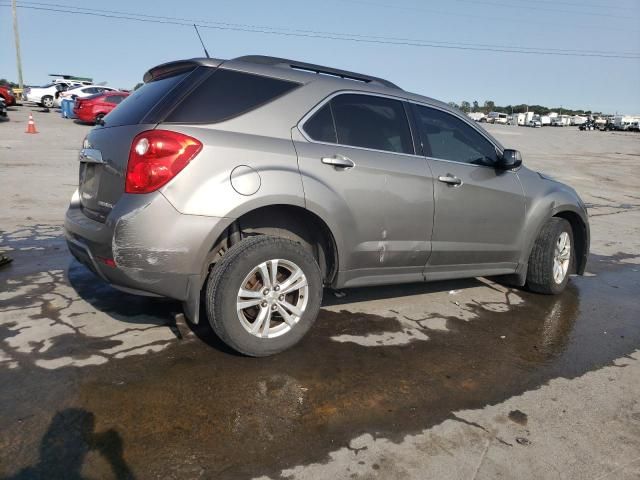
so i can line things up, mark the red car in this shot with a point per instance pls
(7, 94)
(92, 109)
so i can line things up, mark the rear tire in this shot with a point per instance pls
(98, 119)
(270, 323)
(551, 260)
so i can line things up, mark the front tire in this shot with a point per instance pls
(551, 260)
(47, 101)
(264, 295)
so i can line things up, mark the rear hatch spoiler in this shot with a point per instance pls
(172, 68)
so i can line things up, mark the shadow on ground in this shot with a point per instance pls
(69, 438)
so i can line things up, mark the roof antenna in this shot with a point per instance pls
(203, 47)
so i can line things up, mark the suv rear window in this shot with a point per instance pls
(226, 94)
(139, 103)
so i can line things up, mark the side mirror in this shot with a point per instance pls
(509, 159)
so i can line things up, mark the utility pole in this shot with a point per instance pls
(17, 40)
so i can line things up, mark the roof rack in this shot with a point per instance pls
(317, 69)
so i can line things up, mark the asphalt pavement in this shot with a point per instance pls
(447, 380)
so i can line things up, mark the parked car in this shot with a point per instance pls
(7, 95)
(93, 109)
(535, 123)
(256, 182)
(3, 108)
(45, 95)
(81, 91)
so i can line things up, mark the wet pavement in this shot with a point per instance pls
(457, 379)
(107, 384)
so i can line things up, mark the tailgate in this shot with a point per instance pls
(103, 166)
(105, 153)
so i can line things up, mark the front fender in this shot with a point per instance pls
(547, 198)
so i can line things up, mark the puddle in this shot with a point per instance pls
(194, 409)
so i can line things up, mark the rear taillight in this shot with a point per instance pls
(156, 156)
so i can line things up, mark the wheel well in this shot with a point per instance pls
(580, 240)
(286, 221)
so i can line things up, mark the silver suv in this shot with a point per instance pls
(250, 184)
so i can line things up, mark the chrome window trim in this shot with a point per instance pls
(327, 99)
(435, 159)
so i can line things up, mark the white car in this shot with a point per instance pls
(46, 95)
(81, 91)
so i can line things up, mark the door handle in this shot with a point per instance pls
(450, 180)
(338, 161)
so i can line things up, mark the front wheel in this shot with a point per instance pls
(551, 258)
(264, 295)
(47, 101)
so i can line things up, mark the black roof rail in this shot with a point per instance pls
(318, 69)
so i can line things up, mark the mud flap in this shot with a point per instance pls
(191, 306)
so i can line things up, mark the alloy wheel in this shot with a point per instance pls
(562, 257)
(272, 298)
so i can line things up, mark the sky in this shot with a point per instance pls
(119, 51)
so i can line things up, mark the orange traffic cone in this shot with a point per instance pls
(31, 125)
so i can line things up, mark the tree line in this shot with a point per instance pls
(490, 106)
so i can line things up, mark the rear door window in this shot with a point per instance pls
(140, 102)
(446, 137)
(226, 94)
(320, 126)
(372, 122)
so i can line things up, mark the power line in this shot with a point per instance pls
(323, 33)
(529, 6)
(581, 5)
(333, 36)
(474, 16)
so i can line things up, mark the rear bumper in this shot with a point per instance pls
(157, 250)
(84, 115)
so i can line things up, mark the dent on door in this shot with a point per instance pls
(381, 207)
